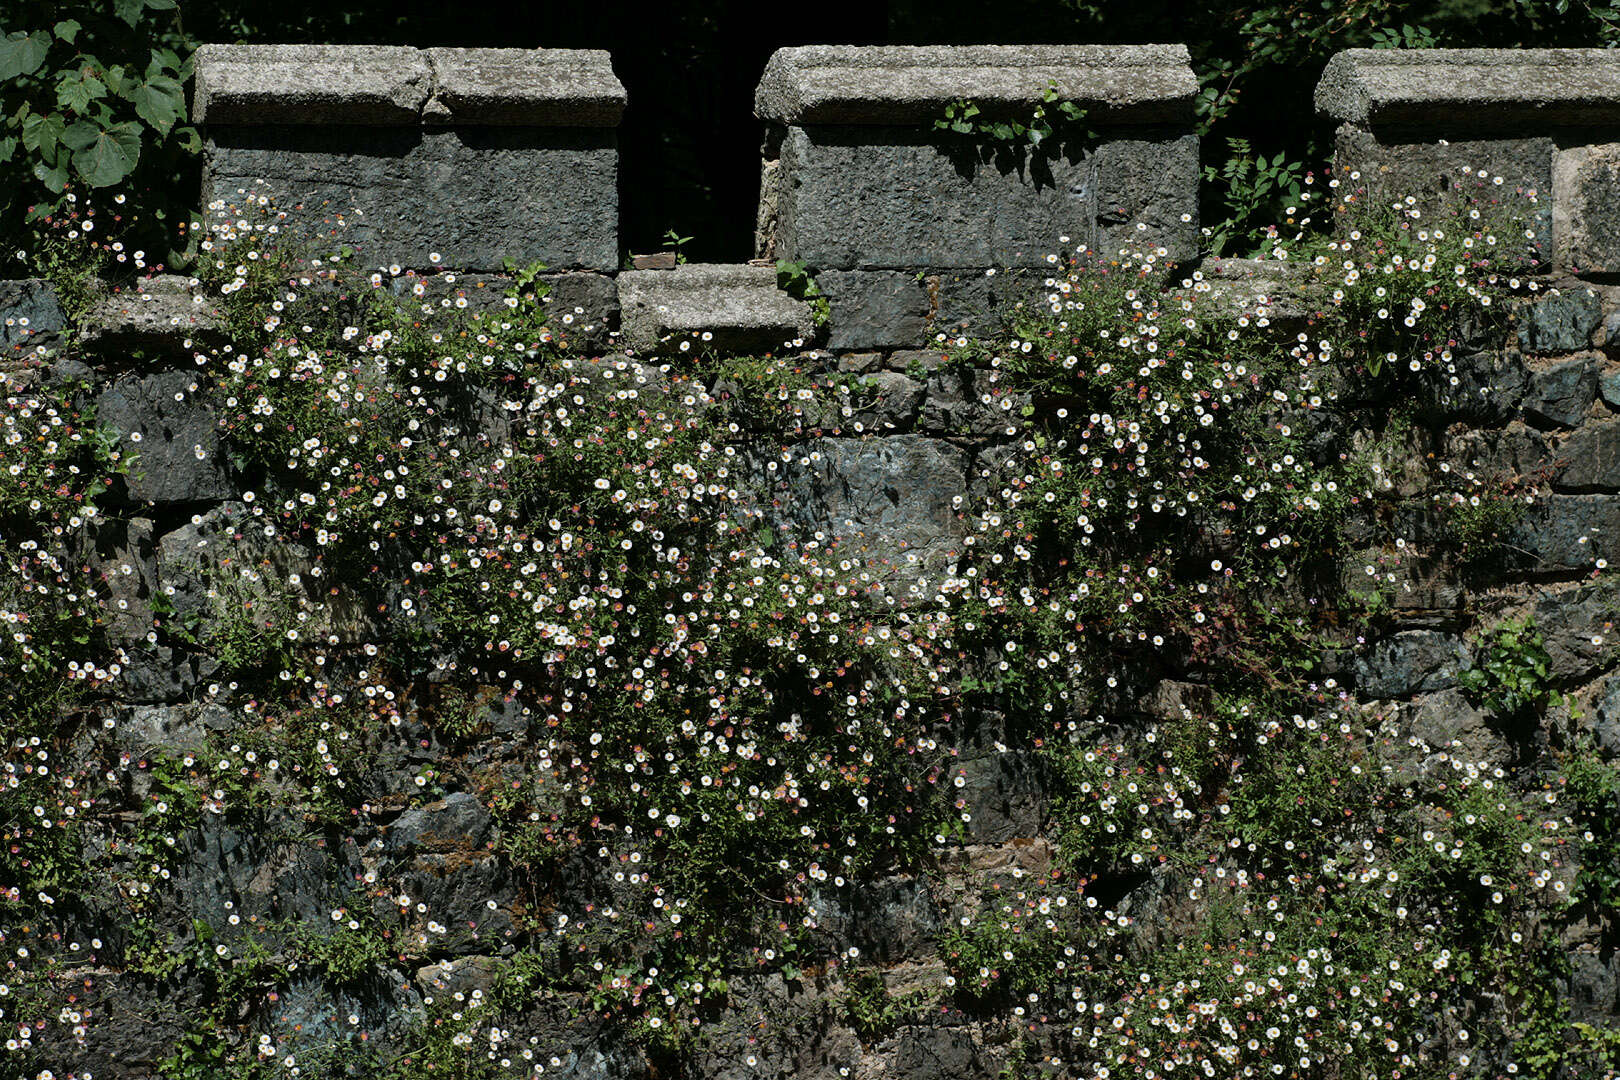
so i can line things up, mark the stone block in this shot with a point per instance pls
(1443, 173)
(582, 306)
(476, 154)
(1468, 90)
(1563, 533)
(876, 309)
(158, 314)
(473, 195)
(740, 306)
(976, 302)
(1560, 322)
(30, 317)
(1586, 208)
(158, 418)
(1591, 459)
(873, 198)
(903, 84)
(1561, 395)
(1411, 662)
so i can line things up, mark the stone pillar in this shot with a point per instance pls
(474, 154)
(1545, 120)
(900, 222)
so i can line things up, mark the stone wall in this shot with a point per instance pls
(476, 156)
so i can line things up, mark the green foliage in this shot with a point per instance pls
(1512, 671)
(1054, 119)
(88, 92)
(793, 279)
(1257, 193)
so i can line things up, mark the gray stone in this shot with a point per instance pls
(1410, 662)
(473, 195)
(157, 418)
(1562, 394)
(897, 84)
(30, 317)
(740, 306)
(885, 502)
(1586, 208)
(1591, 459)
(1577, 631)
(160, 727)
(1490, 387)
(918, 361)
(162, 313)
(582, 307)
(391, 84)
(310, 84)
(158, 673)
(1446, 90)
(1444, 175)
(888, 401)
(1609, 388)
(1449, 720)
(875, 309)
(1005, 799)
(121, 554)
(892, 198)
(458, 822)
(977, 303)
(965, 403)
(220, 567)
(1260, 288)
(529, 87)
(1561, 533)
(1604, 719)
(1560, 322)
(457, 888)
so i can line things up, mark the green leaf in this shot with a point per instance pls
(41, 133)
(160, 102)
(8, 147)
(67, 30)
(161, 5)
(111, 157)
(54, 177)
(22, 54)
(77, 89)
(80, 135)
(129, 10)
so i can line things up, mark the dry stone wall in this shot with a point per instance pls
(475, 156)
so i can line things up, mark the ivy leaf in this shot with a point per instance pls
(67, 30)
(160, 102)
(22, 54)
(77, 89)
(111, 157)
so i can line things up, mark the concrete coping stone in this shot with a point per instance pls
(741, 304)
(398, 85)
(1442, 90)
(911, 84)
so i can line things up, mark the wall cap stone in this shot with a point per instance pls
(740, 304)
(908, 84)
(1472, 89)
(399, 85)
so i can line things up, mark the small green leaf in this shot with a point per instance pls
(67, 30)
(77, 89)
(22, 54)
(80, 135)
(129, 10)
(8, 147)
(41, 133)
(54, 177)
(160, 102)
(111, 157)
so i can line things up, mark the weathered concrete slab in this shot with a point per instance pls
(385, 84)
(473, 195)
(892, 198)
(740, 305)
(901, 84)
(1522, 90)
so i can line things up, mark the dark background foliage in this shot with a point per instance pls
(690, 141)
